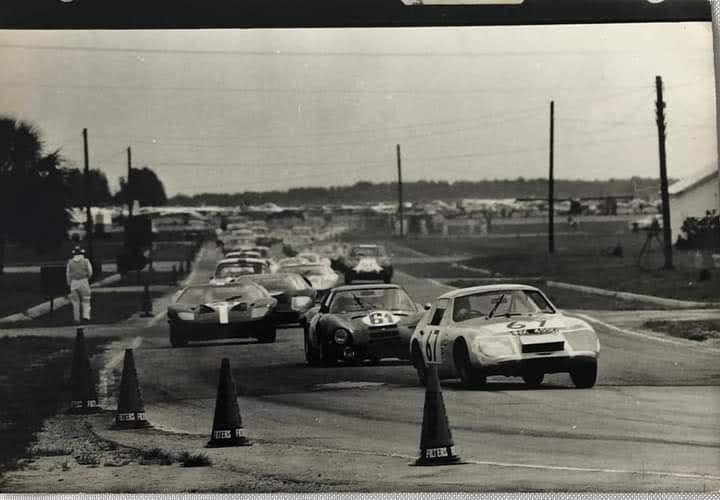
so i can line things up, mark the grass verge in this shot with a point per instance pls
(107, 307)
(33, 386)
(698, 330)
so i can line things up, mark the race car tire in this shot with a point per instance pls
(419, 364)
(327, 358)
(268, 336)
(470, 377)
(387, 279)
(177, 337)
(311, 355)
(584, 374)
(533, 379)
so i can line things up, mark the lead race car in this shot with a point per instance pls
(511, 330)
(359, 322)
(368, 262)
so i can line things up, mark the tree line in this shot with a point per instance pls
(425, 191)
(37, 189)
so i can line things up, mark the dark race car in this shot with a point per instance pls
(241, 309)
(368, 262)
(359, 322)
(294, 295)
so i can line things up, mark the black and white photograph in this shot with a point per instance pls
(371, 259)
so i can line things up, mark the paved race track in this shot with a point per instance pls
(651, 423)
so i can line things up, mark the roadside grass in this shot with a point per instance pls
(107, 307)
(581, 259)
(194, 459)
(438, 270)
(34, 385)
(698, 330)
(20, 291)
(156, 456)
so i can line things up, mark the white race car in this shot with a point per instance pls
(511, 330)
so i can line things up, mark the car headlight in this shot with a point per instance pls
(341, 336)
(186, 316)
(300, 302)
(258, 311)
(494, 346)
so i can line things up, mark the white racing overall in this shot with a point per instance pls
(79, 271)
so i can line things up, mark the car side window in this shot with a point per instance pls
(438, 313)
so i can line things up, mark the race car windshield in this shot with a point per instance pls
(204, 295)
(391, 299)
(365, 252)
(280, 283)
(500, 303)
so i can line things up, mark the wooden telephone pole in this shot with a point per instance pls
(89, 220)
(400, 191)
(128, 191)
(667, 236)
(551, 183)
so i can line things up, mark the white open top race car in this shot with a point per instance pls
(511, 330)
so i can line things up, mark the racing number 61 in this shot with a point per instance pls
(431, 352)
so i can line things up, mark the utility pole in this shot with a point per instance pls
(715, 24)
(551, 182)
(128, 191)
(88, 214)
(667, 236)
(400, 192)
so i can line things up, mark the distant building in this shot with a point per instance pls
(692, 197)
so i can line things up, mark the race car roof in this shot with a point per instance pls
(485, 288)
(368, 286)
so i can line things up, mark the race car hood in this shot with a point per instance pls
(521, 325)
(360, 321)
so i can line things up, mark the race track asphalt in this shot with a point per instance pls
(651, 423)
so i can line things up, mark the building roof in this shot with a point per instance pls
(693, 180)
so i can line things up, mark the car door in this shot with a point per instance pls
(433, 342)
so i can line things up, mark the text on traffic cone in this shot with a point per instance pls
(130, 410)
(227, 425)
(436, 442)
(83, 397)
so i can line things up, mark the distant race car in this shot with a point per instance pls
(228, 269)
(205, 312)
(368, 262)
(321, 277)
(294, 295)
(358, 322)
(511, 330)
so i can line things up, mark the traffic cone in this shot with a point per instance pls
(146, 303)
(83, 395)
(227, 425)
(436, 442)
(130, 409)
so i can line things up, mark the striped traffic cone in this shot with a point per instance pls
(130, 410)
(227, 425)
(83, 397)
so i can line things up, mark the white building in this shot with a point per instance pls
(692, 197)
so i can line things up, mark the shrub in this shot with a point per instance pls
(194, 460)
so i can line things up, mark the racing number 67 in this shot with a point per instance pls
(431, 344)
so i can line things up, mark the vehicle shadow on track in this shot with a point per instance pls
(238, 342)
(503, 386)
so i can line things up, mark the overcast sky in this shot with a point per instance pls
(236, 110)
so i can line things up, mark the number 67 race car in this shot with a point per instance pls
(510, 330)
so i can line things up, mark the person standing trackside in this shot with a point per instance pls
(78, 274)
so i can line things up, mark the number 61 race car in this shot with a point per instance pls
(510, 330)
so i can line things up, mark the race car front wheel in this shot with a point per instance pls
(470, 377)
(311, 356)
(418, 363)
(268, 336)
(584, 374)
(177, 337)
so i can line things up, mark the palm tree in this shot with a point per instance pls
(20, 154)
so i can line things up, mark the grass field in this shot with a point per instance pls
(34, 374)
(582, 258)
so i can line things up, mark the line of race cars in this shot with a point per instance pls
(470, 333)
